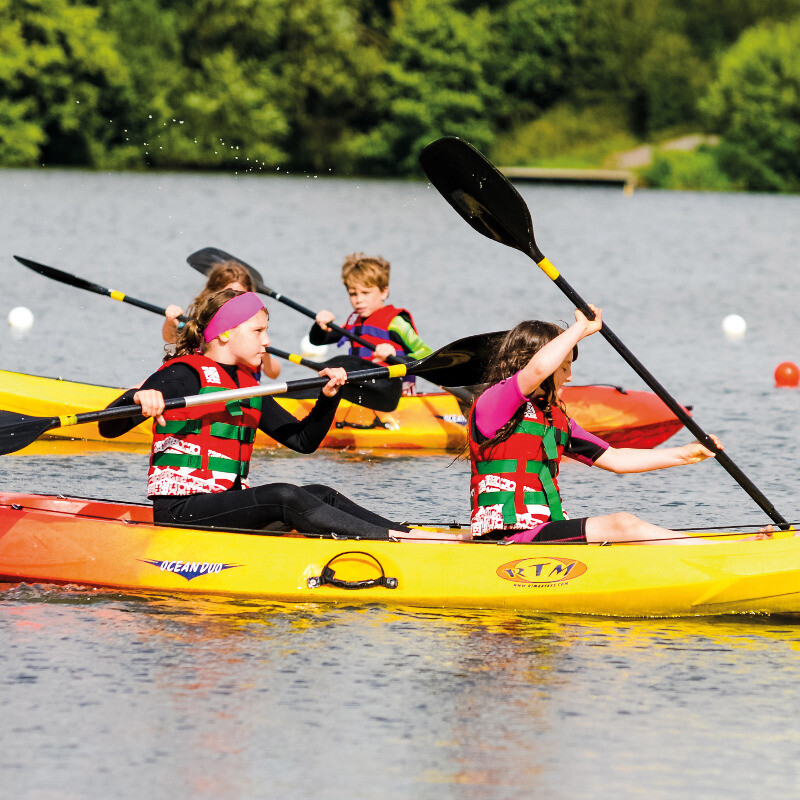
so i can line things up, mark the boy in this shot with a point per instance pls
(390, 329)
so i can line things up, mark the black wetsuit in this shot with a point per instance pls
(274, 506)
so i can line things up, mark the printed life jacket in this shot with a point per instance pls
(205, 448)
(375, 329)
(513, 484)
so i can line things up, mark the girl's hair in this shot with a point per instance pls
(520, 344)
(190, 337)
(365, 270)
(224, 274)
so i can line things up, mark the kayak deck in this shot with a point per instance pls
(47, 539)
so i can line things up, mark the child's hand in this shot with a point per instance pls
(592, 325)
(383, 351)
(338, 378)
(152, 403)
(695, 451)
(323, 318)
(172, 313)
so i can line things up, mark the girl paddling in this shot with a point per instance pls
(518, 433)
(201, 456)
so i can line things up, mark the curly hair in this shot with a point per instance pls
(520, 344)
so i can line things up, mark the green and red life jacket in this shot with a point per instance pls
(514, 483)
(205, 448)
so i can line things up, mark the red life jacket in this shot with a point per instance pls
(375, 329)
(205, 448)
(513, 484)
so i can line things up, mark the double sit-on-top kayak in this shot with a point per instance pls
(424, 421)
(98, 543)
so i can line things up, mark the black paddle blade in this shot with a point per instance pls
(460, 363)
(379, 394)
(481, 194)
(60, 276)
(206, 259)
(18, 431)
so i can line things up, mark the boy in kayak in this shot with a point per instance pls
(225, 275)
(390, 329)
(518, 433)
(201, 455)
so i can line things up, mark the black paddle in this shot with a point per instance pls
(206, 259)
(461, 362)
(80, 283)
(380, 395)
(485, 198)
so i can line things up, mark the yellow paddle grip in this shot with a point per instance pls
(548, 269)
(397, 370)
(294, 358)
(115, 295)
(67, 420)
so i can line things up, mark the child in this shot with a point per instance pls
(201, 455)
(225, 275)
(391, 329)
(518, 433)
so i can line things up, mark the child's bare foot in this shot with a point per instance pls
(763, 533)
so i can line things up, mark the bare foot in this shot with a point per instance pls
(763, 533)
(433, 536)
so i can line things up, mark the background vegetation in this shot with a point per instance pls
(359, 86)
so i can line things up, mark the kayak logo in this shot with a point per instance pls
(542, 571)
(190, 569)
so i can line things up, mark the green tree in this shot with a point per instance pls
(433, 84)
(63, 87)
(755, 106)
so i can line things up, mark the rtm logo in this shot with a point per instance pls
(541, 571)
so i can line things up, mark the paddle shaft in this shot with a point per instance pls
(725, 461)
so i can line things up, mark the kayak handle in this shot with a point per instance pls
(328, 576)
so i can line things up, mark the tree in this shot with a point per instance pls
(754, 104)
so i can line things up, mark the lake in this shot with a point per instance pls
(104, 692)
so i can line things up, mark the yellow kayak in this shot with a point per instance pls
(100, 543)
(421, 422)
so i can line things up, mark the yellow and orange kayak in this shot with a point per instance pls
(420, 422)
(100, 543)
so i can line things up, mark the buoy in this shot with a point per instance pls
(314, 352)
(787, 374)
(734, 326)
(20, 318)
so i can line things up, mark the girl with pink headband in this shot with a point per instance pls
(201, 456)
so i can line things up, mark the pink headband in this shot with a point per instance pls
(233, 312)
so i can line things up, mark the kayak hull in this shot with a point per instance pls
(97, 543)
(420, 422)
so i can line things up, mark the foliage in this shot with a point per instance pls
(754, 105)
(694, 170)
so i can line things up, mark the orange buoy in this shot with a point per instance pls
(787, 374)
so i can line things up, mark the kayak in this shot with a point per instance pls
(101, 543)
(423, 422)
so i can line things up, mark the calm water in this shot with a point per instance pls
(103, 692)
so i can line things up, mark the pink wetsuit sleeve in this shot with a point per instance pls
(584, 446)
(497, 405)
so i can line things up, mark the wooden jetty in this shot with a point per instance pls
(614, 177)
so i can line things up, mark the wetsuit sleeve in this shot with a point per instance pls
(497, 405)
(302, 435)
(177, 380)
(408, 337)
(584, 446)
(317, 336)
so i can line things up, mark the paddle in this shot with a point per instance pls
(490, 204)
(204, 261)
(461, 362)
(382, 395)
(80, 283)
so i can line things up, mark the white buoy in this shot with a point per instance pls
(314, 352)
(20, 319)
(734, 326)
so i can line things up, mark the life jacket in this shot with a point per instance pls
(513, 484)
(205, 448)
(375, 329)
